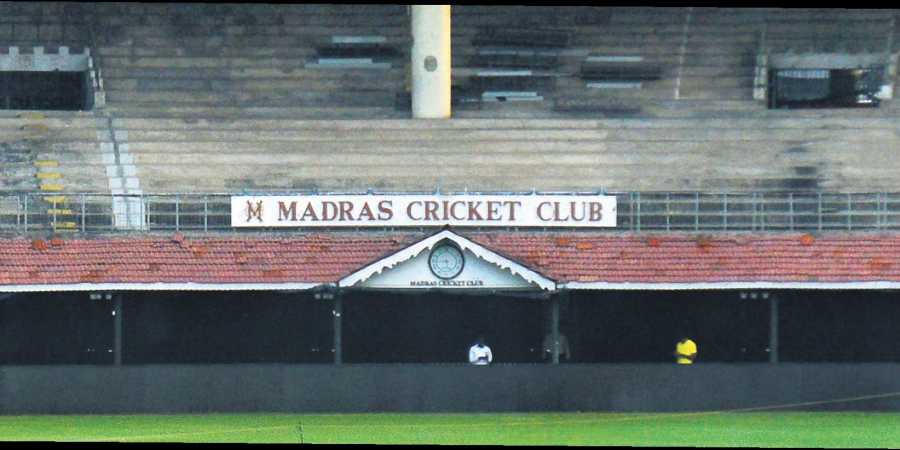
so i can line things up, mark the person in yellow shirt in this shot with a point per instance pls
(685, 351)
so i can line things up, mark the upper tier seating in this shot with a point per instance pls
(55, 154)
(229, 97)
(253, 59)
(727, 154)
(178, 59)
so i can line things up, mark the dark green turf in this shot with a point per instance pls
(757, 429)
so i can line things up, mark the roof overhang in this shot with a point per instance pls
(732, 285)
(532, 277)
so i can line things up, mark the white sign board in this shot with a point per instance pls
(423, 210)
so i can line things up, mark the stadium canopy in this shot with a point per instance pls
(551, 261)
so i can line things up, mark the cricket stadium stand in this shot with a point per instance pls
(751, 153)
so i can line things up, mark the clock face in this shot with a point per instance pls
(446, 262)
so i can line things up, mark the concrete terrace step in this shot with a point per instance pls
(349, 177)
(49, 135)
(251, 84)
(183, 22)
(321, 108)
(297, 72)
(197, 112)
(785, 150)
(777, 121)
(407, 182)
(11, 123)
(283, 98)
(352, 173)
(287, 52)
(775, 154)
(157, 35)
(778, 156)
(161, 153)
(514, 182)
(201, 62)
(369, 159)
(659, 108)
(577, 55)
(137, 136)
(375, 124)
(413, 182)
(244, 13)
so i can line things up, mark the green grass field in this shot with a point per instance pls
(761, 429)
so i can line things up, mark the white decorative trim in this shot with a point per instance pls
(723, 285)
(699, 286)
(464, 244)
(40, 61)
(82, 287)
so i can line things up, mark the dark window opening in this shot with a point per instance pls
(56, 329)
(824, 88)
(644, 326)
(37, 90)
(840, 326)
(439, 327)
(434, 327)
(226, 327)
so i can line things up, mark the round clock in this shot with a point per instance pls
(446, 261)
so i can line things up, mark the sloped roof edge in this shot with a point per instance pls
(478, 250)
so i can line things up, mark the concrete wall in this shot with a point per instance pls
(358, 388)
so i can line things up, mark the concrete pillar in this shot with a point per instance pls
(431, 61)
(117, 330)
(773, 329)
(338, 312)
(554, 327)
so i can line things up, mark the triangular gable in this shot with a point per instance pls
(470, 248)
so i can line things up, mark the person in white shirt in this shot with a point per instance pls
(480, 354)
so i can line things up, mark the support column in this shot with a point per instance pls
(430, 61)
(337, 312)
(117, 330)
(554, 326)
(773, 329)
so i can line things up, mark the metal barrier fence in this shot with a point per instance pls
(637, 211)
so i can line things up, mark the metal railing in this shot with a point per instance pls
(637, 212)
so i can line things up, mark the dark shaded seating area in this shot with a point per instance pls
(529, 38)
(374, 51)
(61, 91)
(620, 71)
(524, 59)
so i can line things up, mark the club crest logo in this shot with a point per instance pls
(254, 211)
